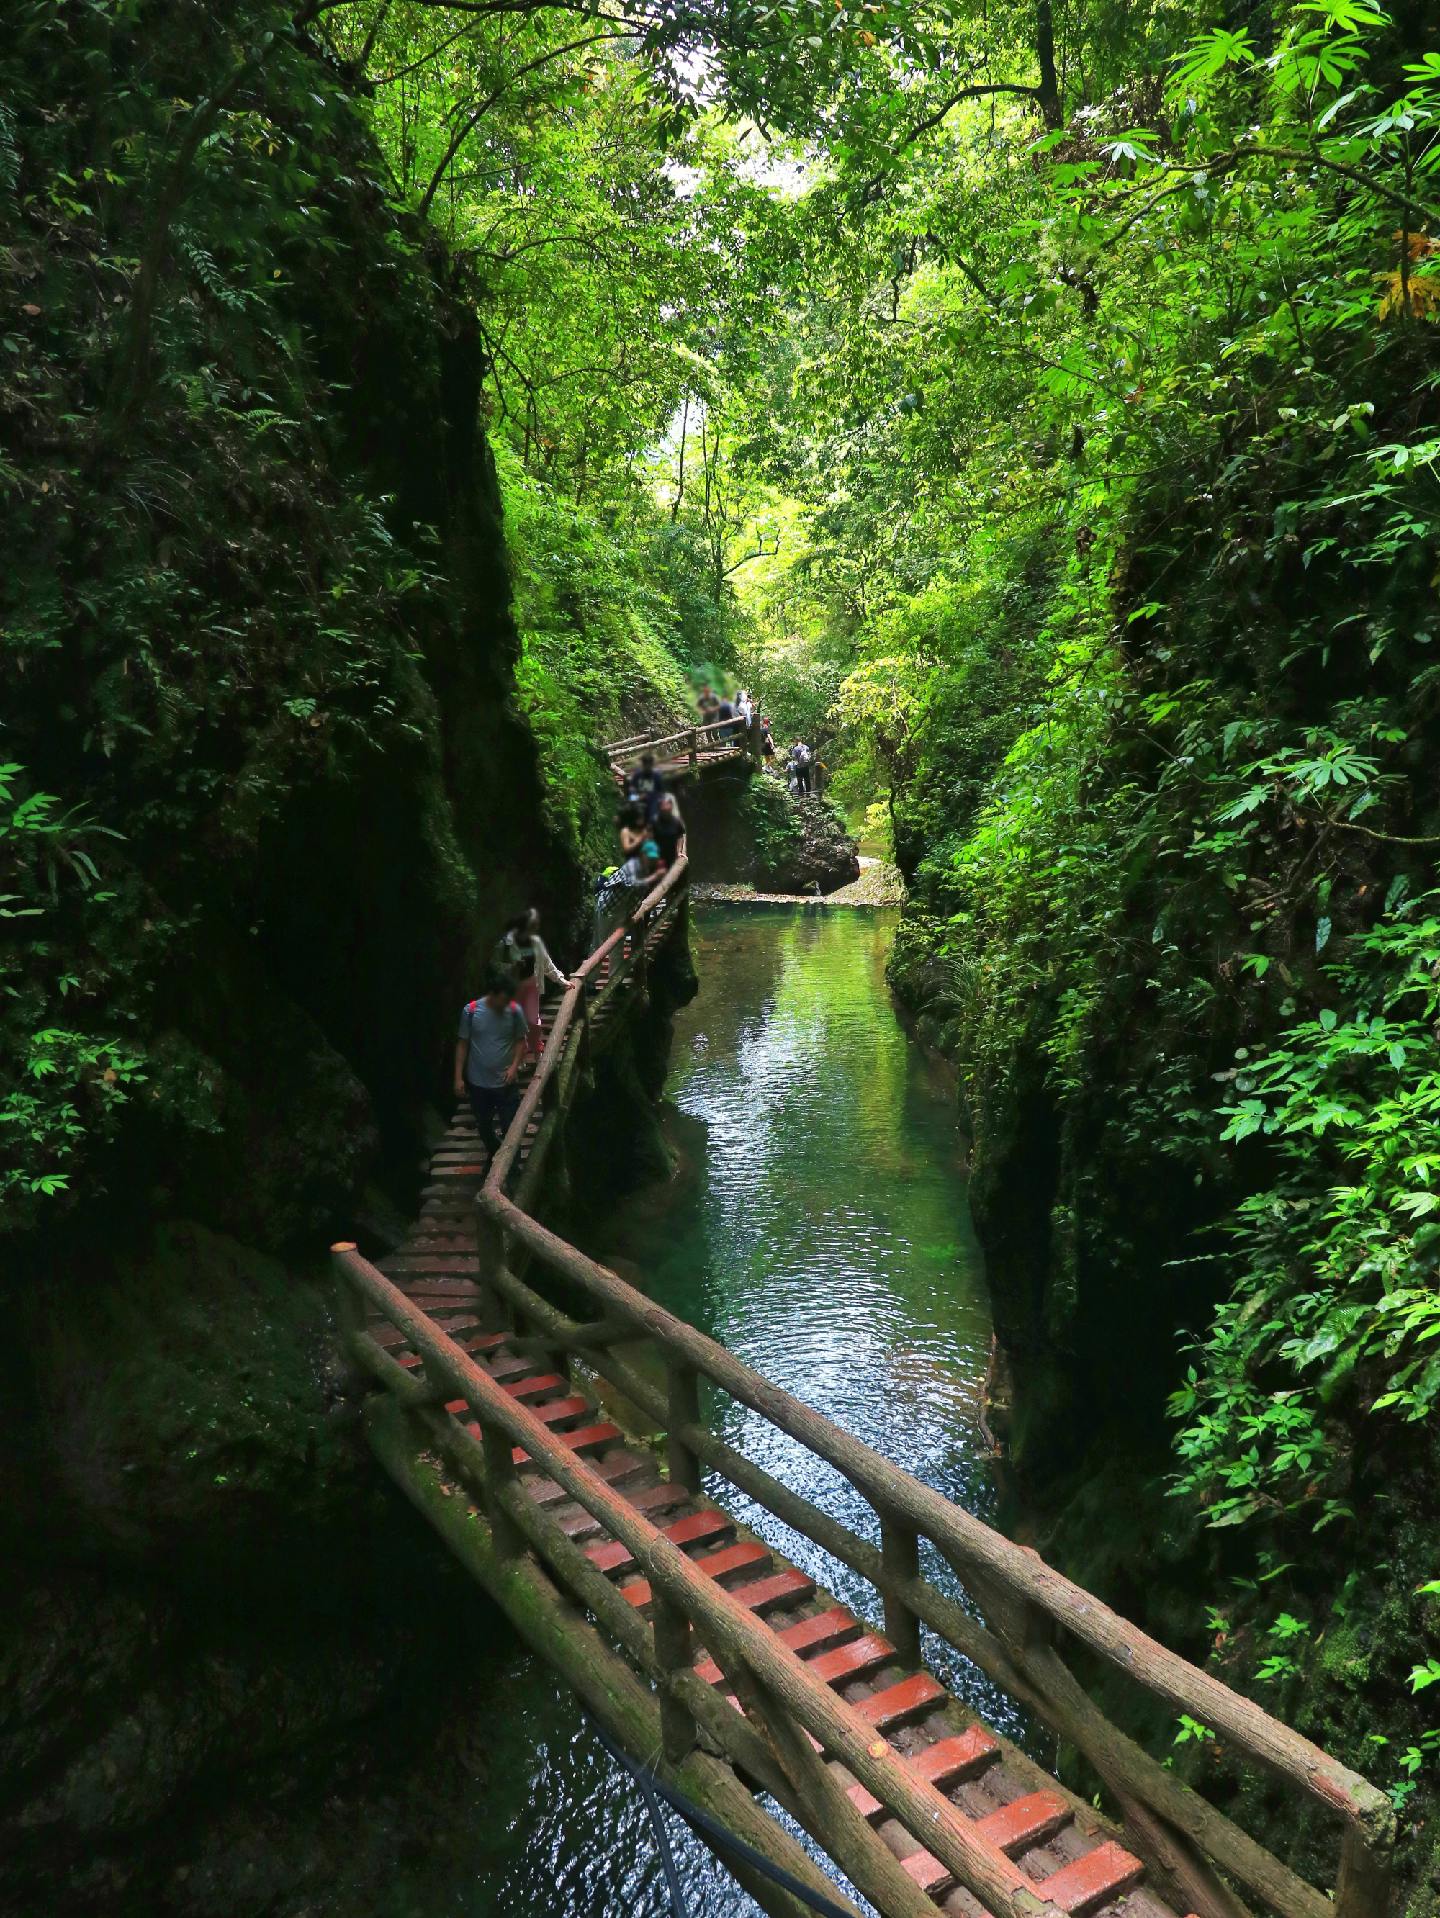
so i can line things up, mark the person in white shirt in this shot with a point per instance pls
(524, 955)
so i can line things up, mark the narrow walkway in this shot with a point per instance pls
(706, 1651)
(1059, 1843)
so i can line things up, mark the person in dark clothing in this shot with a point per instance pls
(488, 1049)
(644, 784)
(669, 831)
(800, 763)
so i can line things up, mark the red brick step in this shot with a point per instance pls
(825, 1629)
(612, 1556)
(910, 1698)
(942, 1765)
(1024, 1821)
(536, 1387)
(1093, 1880)
(780, 1588)
(734, 1558)
(590, 1438)
(857, 1660)
(929, 1874)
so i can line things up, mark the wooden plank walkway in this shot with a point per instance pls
(1057, 1841)
(711, 1654)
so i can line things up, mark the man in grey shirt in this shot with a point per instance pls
(488, 1049)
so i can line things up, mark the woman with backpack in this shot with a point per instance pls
(524, 955)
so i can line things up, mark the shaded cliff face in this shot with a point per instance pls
(265, 803)
(257, 635)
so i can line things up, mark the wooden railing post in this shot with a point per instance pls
(900, 1553)
(585, 1042)
(490, 1252)
(1365, 1885)
(674, 1653)
(822, 1802)
(499, 1473)
(683, 1408)
(642, 955)
(694, 747)
(349, 1312)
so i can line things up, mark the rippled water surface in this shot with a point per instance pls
(819, 1230)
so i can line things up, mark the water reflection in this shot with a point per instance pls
(820, 1232)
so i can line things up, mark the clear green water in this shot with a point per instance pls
(819, 1230)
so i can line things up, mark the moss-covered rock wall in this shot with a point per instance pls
(266, 802)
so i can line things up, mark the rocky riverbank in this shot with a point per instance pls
(879, 884)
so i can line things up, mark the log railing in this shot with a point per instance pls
(719, 737)
(1030, 1614)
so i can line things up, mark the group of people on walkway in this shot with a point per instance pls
(720, 709)
(740, 713)
(501, 1029)
(800, 770)
(650, 833)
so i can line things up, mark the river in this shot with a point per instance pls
(819, 1229)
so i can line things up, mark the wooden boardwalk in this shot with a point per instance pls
(504, 1352)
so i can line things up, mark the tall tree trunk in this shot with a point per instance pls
(680, 475)
(1048, 91)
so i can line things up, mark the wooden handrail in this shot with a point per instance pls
(1013, 1585)
(731, 1630)
(976, 1547)
(551, 1057)
(735, 727)
(983, 1558)
(1054, 1696)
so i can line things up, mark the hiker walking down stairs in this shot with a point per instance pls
(492, 1040)
(523, 954)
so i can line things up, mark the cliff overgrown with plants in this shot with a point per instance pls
(1117, 521)
(264, 796)
(1037, 405)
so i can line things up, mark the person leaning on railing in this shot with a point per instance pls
(618, 890)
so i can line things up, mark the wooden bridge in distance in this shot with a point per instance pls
(496, 1346)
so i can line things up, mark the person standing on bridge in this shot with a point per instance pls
(489, 1046)
(630, 825)
(644, 784)
(617, 891)
(524, 955)
(669, 830)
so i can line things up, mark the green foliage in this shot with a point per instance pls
(1047, 430)
(209, 628)
(605, 643)
(68, 1086)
